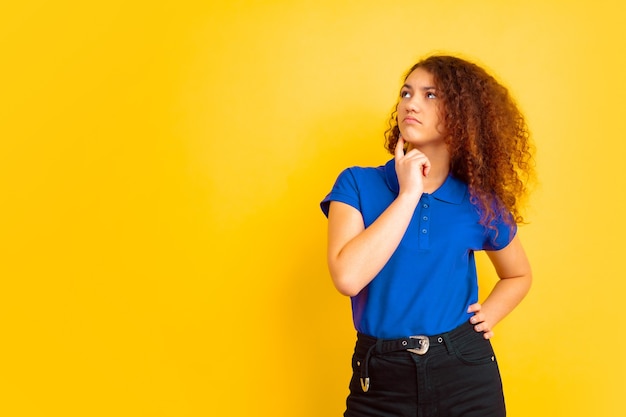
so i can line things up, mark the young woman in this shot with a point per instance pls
(402, 237)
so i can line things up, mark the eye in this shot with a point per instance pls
(405, 94)
(431, 95)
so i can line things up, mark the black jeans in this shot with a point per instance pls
(457, 377)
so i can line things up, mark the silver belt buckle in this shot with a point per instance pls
(424, 345)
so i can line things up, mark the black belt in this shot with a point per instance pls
(418, 345)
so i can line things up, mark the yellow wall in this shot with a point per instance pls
(161, 166)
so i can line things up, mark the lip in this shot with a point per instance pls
(411, 120)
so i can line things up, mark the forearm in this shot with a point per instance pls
(356, 263)
(505, 296)
(513, 268)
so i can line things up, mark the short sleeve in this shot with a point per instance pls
(345, 190)
(502, 235)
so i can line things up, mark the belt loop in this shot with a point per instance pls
(379, 345)
(448, 342)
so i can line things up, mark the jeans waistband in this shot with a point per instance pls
(419, 345)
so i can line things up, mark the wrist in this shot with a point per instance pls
(409, 198)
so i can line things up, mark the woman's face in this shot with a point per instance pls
(419, 111)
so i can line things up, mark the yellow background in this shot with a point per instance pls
(162, 250)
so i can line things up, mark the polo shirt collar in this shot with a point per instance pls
(451, 191)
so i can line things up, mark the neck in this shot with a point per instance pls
(439, 167)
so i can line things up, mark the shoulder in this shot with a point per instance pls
(357, 185)
(364, 174)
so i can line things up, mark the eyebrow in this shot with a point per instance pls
(422, 88)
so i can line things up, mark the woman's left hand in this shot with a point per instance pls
(479, 320)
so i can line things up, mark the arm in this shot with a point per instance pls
(355, 253)
(515, 275)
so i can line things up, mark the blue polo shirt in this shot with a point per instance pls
(430, 280)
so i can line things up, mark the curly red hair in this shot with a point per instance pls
(487, 137)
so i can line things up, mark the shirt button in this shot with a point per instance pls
(425, 218)
(425, 205)
(424, 231)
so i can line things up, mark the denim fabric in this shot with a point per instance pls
(458, 376)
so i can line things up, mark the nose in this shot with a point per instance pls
(412, 105)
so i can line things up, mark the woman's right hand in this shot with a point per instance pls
(411, 168)
(356, 254)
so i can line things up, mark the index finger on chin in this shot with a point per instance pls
(399, 151)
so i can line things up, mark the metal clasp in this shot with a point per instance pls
(424, 345)
(365, 384)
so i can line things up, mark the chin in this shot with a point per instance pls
(413, 141)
